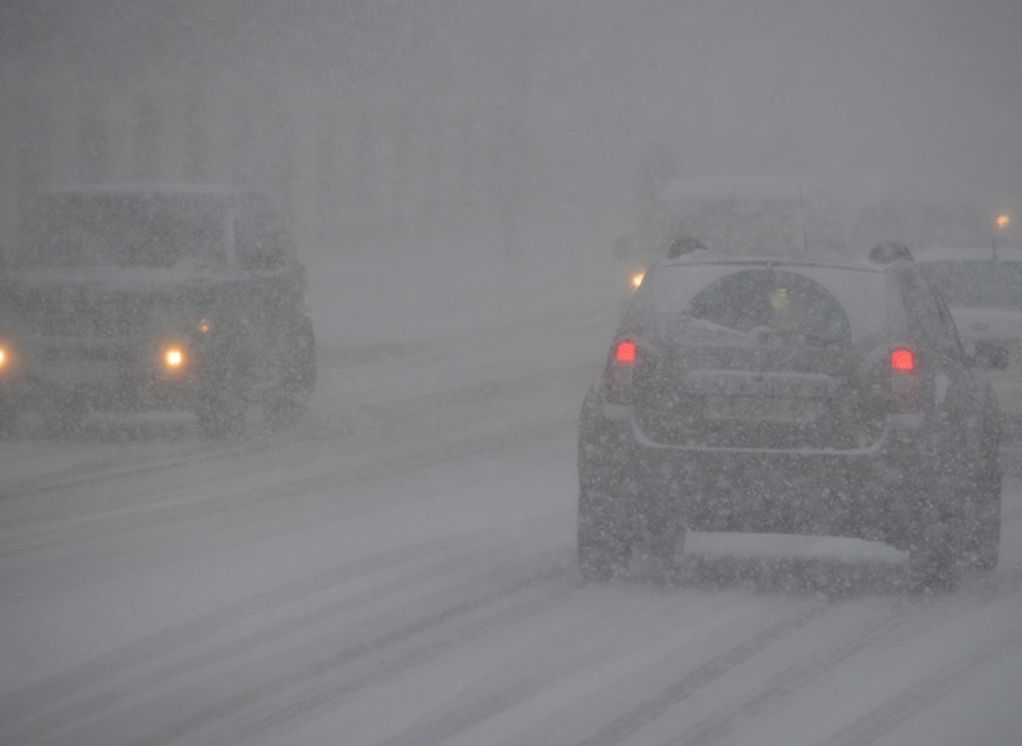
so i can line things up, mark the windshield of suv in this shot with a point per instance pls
(121, 230)
(978, 284)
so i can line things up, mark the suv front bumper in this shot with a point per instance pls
(108, 376)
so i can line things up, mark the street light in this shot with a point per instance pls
(1002, 222)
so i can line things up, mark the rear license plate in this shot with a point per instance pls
(774, 409)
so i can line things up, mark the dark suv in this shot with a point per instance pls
(161, 297)
(789, 397)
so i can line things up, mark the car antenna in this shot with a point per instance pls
(802, 222)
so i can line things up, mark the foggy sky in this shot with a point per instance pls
(532, 102)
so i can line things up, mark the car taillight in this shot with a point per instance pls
(904, 380)
(624, 352)
(903, 360)
(618, 378)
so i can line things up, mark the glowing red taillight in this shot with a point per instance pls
(624, 352)
(903, 360)
(618, 378)
(905, 383)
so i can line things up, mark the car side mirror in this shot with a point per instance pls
(989, 355)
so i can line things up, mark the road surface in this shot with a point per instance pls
(400, 570)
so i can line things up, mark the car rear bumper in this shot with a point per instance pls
(869, 493)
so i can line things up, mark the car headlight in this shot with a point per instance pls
(6, 359)
(174, 358)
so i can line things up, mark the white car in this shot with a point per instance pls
(983, 290)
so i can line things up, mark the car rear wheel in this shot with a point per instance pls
(934, 551)
(603, 545)
(982, 542)
(664, 541)
(932, 565)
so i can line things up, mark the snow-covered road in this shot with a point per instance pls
(399, 570)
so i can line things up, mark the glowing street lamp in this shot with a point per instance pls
(1002, 222)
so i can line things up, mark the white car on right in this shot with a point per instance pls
(983, 291)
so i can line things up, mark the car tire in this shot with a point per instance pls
(219, 419)
(222, 401)
(603, 545)
(665, 541)
(982, 543)
(932, 559)
(290, 401)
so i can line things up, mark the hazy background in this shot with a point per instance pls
(473, 137)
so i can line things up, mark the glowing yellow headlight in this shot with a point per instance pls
(1003, 221)
(637, 279)
(3, 358)
(174, 358)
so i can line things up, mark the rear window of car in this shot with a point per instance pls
(977, 283)
(818, 305)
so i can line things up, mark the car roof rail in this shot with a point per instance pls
(888, 252)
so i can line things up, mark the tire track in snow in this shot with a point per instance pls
(61, 714)
(183, 507)
(782, 685)
(633, 719)
(230, 499)
(58, 688)
(446, 725)
(273, 704)
(44, 484)
(923, 694)
(197, 452)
